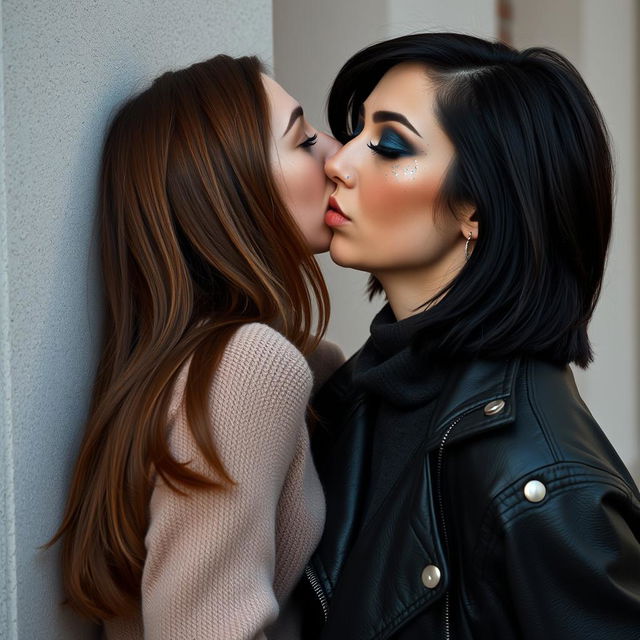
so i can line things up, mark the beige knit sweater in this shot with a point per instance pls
(221, 563)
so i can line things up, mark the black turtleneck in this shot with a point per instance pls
(404, 386)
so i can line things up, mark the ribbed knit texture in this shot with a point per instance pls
(392, 367)
(221, 563)
(404, 384)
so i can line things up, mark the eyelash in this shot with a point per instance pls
(383, 151)
(378, 149)
(309, 142)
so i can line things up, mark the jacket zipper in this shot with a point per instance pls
(447, 622)
(315, 585)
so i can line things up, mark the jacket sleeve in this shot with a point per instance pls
(211, 554)
(573, 560)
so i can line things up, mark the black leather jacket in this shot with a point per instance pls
(514, 518)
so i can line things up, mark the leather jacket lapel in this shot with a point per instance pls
(382, 597)
(404, 529)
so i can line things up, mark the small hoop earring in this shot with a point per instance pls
(466, 247)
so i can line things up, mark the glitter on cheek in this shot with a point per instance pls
(410, 172)
(406, 172)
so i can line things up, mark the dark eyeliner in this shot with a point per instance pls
(310, 141)
(392, 145)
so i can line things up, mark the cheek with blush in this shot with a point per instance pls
(407, 188)
(397, 216)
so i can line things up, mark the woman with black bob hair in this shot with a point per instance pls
(470, 493)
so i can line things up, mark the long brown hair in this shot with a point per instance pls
(195, 241)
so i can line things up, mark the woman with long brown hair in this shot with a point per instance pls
(194, 505)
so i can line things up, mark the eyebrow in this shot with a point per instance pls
(295, 114)
(385, 116)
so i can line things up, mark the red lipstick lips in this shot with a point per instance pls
(333, 204)
(334, 216)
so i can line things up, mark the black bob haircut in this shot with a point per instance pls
(532, 156)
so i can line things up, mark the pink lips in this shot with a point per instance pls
(334, 216)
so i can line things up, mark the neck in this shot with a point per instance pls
(408, 290)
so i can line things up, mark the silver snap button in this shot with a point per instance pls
(430, 576)
(535, 491)
(495, 406)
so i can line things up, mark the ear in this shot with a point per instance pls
(468, 223)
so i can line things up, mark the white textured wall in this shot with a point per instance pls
(65, 65)
(601, 39)
(312, 40)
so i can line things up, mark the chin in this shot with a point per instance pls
(321, 241)
(343, 259)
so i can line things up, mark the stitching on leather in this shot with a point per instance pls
(558, 491)
(507, 375)
(392, 624)
(533, 402)
(510, 496)
(511, 500)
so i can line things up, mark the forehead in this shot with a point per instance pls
(405, 88)
(281, 104)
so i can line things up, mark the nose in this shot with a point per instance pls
(328, 145)
(337, 167)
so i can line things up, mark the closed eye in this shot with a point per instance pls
(310, 141)
(392, 145)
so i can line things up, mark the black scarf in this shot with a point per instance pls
(403, 383)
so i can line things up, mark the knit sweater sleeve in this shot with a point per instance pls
(211, 555)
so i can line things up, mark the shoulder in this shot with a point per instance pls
(257, 402)
(554, 441)
(552, 438)
(550, 422)
(259, 341)
(324, 361)
(550, 405)
(257, 362)
(259, 357)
